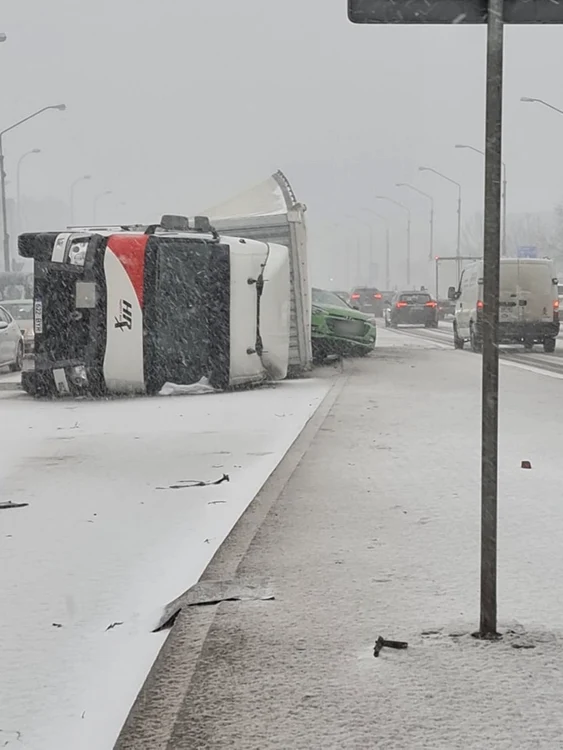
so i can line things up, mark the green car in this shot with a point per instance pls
(337, 328)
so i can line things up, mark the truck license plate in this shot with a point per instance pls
(38, 316)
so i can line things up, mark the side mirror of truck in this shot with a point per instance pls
(452, 293)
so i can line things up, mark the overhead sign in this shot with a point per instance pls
(527, 251)
(452, 11)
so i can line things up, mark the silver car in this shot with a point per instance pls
(21, 311)
(11, 342)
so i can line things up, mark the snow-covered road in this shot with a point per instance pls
(101, 547)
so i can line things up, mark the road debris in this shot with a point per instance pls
(215, 592)
(186, 483)
(113, 625)
(10, 504)
(526, 465)
(383, 643)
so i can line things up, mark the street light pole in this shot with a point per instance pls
(504, 185)
(6, 236)
(408, 212)
(457, 184)
(96, 200)
(385, 220)
(72, 187)
(431, 199)
(18, 184)
(530, 99)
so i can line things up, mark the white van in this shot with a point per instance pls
(528, 304)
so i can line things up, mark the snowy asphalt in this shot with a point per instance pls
(369, 527)
(110, 535)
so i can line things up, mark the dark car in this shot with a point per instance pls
(367, 299)
(445, 307)
(412, 308)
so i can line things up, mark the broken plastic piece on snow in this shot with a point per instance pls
(526, 465)
(214, 592)
(383, 643)
(176, 389)
(10, 504)
(185, 483)
(113, 625)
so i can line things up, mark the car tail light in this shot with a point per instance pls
(555, 304)
(354, 296)
(402, 304)
(430, 304)
(480, 304)
(377, 296)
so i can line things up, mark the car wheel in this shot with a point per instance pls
(549, 345)
(476, 345)
(18, 364)
(458, 343)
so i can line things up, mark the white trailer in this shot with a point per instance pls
(270, 212)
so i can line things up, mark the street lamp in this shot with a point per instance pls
(479, 151)
(431, 199)
(72, 187)
(96, 199)
(457, 184)
(6, 240)
(385, 220)
(530, 99)
(408, 212)
(18, 184)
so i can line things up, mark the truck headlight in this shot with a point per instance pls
(78, 375)
(77, 253)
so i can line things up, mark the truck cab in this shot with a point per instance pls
(124, 310)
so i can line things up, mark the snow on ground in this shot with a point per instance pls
(86, 567)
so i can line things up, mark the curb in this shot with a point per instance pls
(151, 719)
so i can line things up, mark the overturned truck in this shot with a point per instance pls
(128, 309)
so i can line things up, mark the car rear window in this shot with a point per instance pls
(415, 299)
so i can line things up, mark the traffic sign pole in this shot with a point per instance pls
(491, 285)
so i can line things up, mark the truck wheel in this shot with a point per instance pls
(458, 343)
(528, 345)
(476, 345)
(549, 345)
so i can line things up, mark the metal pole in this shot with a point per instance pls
(431, 232)
(491, 277)
(458, 250)
(358, 263)
(5, 235)
(409, 251)
(371, 258)
(387, 259)
(437, 277)
(18, 193)
(504, 185)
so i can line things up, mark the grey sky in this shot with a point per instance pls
(178, 104)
